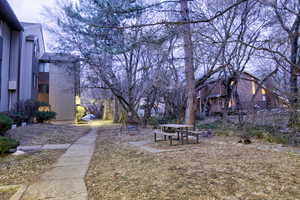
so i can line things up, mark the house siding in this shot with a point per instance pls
(5, 33)
(61, 92)
(213, 94)
(32, 41)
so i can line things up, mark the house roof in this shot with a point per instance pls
(35, 30)
(59, 58)
(8, 15)
(221, 78)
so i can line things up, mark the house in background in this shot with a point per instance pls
(211, 96)
(28, 72)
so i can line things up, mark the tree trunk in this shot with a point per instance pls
(189, 64)
(115, 110)
(294, 118)
(108, 112)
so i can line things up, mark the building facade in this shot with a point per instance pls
(11, 32)
(28, 72)
(59, 83)
(211, 96)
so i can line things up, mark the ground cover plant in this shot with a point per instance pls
(6, 144)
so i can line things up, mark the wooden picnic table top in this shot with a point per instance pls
(176, 125)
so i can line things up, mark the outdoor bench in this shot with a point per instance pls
(165, 135)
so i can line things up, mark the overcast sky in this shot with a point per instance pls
(32, 11)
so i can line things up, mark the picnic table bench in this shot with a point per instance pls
(165, 135)
(179, 133)
(182, 133)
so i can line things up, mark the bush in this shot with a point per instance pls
(213, 125)
(6, 144)
(42, 116)
(17, 117)
(5, 123)
(156, 121)
(80, 113)
(28, 109)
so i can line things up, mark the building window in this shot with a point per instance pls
(44, 67)
(253, 87)
(263, 92)
(10, 99)
(44, 88)
(231, 103)
(34, 80)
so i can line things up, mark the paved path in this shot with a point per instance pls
(65, 181)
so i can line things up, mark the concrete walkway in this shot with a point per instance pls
(65, 181)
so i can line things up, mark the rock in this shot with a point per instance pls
(12, 150)
(245, 141)
(285, 131)
(18, 153)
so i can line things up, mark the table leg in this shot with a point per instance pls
(187, 137)
(170, 138)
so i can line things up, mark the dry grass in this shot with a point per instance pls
(6, 194)
(24, 169)
(37, 134)
(210, 171)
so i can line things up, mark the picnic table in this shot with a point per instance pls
(181, 131)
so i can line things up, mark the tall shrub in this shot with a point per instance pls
(29, 108)
(5, 123)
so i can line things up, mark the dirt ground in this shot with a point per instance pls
(39, 134)
(196, 172)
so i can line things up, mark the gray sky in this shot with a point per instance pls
(32, 11)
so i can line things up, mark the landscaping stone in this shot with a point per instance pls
(44, 147)
(30, 148)
(56, 146)
(18, 153)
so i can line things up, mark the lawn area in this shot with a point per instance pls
(25, 169)
(39, 134)
(203, 171)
